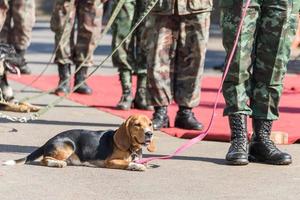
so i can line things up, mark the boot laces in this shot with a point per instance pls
(264, 137)
(240, 144)
(269, 143)
(159, 114)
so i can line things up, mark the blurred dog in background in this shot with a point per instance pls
(9, 62)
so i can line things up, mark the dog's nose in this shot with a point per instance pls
(148, 134)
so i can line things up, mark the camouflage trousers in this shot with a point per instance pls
(260, 61)
(88, 16)
(22, 13)
(3, 10)
(177, 47)
(131, 55)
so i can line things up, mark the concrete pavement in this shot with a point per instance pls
(199, 173)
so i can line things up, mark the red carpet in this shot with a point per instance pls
(107, 92)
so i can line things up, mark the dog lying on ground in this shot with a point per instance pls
(109, 149)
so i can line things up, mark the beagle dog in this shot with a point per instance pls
(109, 149)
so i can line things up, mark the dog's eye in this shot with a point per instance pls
(150, 124)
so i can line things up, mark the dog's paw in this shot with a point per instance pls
(136, 167)
(62, 164)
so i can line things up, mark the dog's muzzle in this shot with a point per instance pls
(148, 137)
(10, 60)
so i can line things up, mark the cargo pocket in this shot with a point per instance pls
(196, 5)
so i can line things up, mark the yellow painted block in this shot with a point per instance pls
(279, 137)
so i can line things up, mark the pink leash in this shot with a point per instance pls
(202, 135)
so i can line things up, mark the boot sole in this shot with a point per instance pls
(120, 107)
(60, 92)
(261, 160)
(84, 93)
(237, 162)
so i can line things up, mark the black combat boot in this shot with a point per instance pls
(24, 69)
(126, 98)
(185, 119)
(262, 148)
(64, 72)
(160, 118)
(238, 151)
(140, 101)
(80, 77)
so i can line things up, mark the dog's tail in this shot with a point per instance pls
(31, 157)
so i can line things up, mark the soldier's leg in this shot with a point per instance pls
(5, 21)
(192, 43)
(23, 14)
(4, 6)
(89, 31)
(272, 56)
(141, 39)
(62, 24)
(6, 92)
(274, 38)
(237, 85)
(123, 59)
(161, 58)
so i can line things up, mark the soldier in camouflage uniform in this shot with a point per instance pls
(88, 15)
(130, 57)
(180, 31)
(256, 75)
(18, 33)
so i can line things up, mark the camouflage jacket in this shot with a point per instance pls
(182, 7)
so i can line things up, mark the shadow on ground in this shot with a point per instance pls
(10, 148)
(217, 161)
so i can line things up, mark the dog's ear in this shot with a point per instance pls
(122, 137)
(151, 147)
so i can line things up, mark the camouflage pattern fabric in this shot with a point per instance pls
(130, 57)
(259, 64)
(177, 47)
(22, 13)
(3, 11)
(182, 7)
(88, 15)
